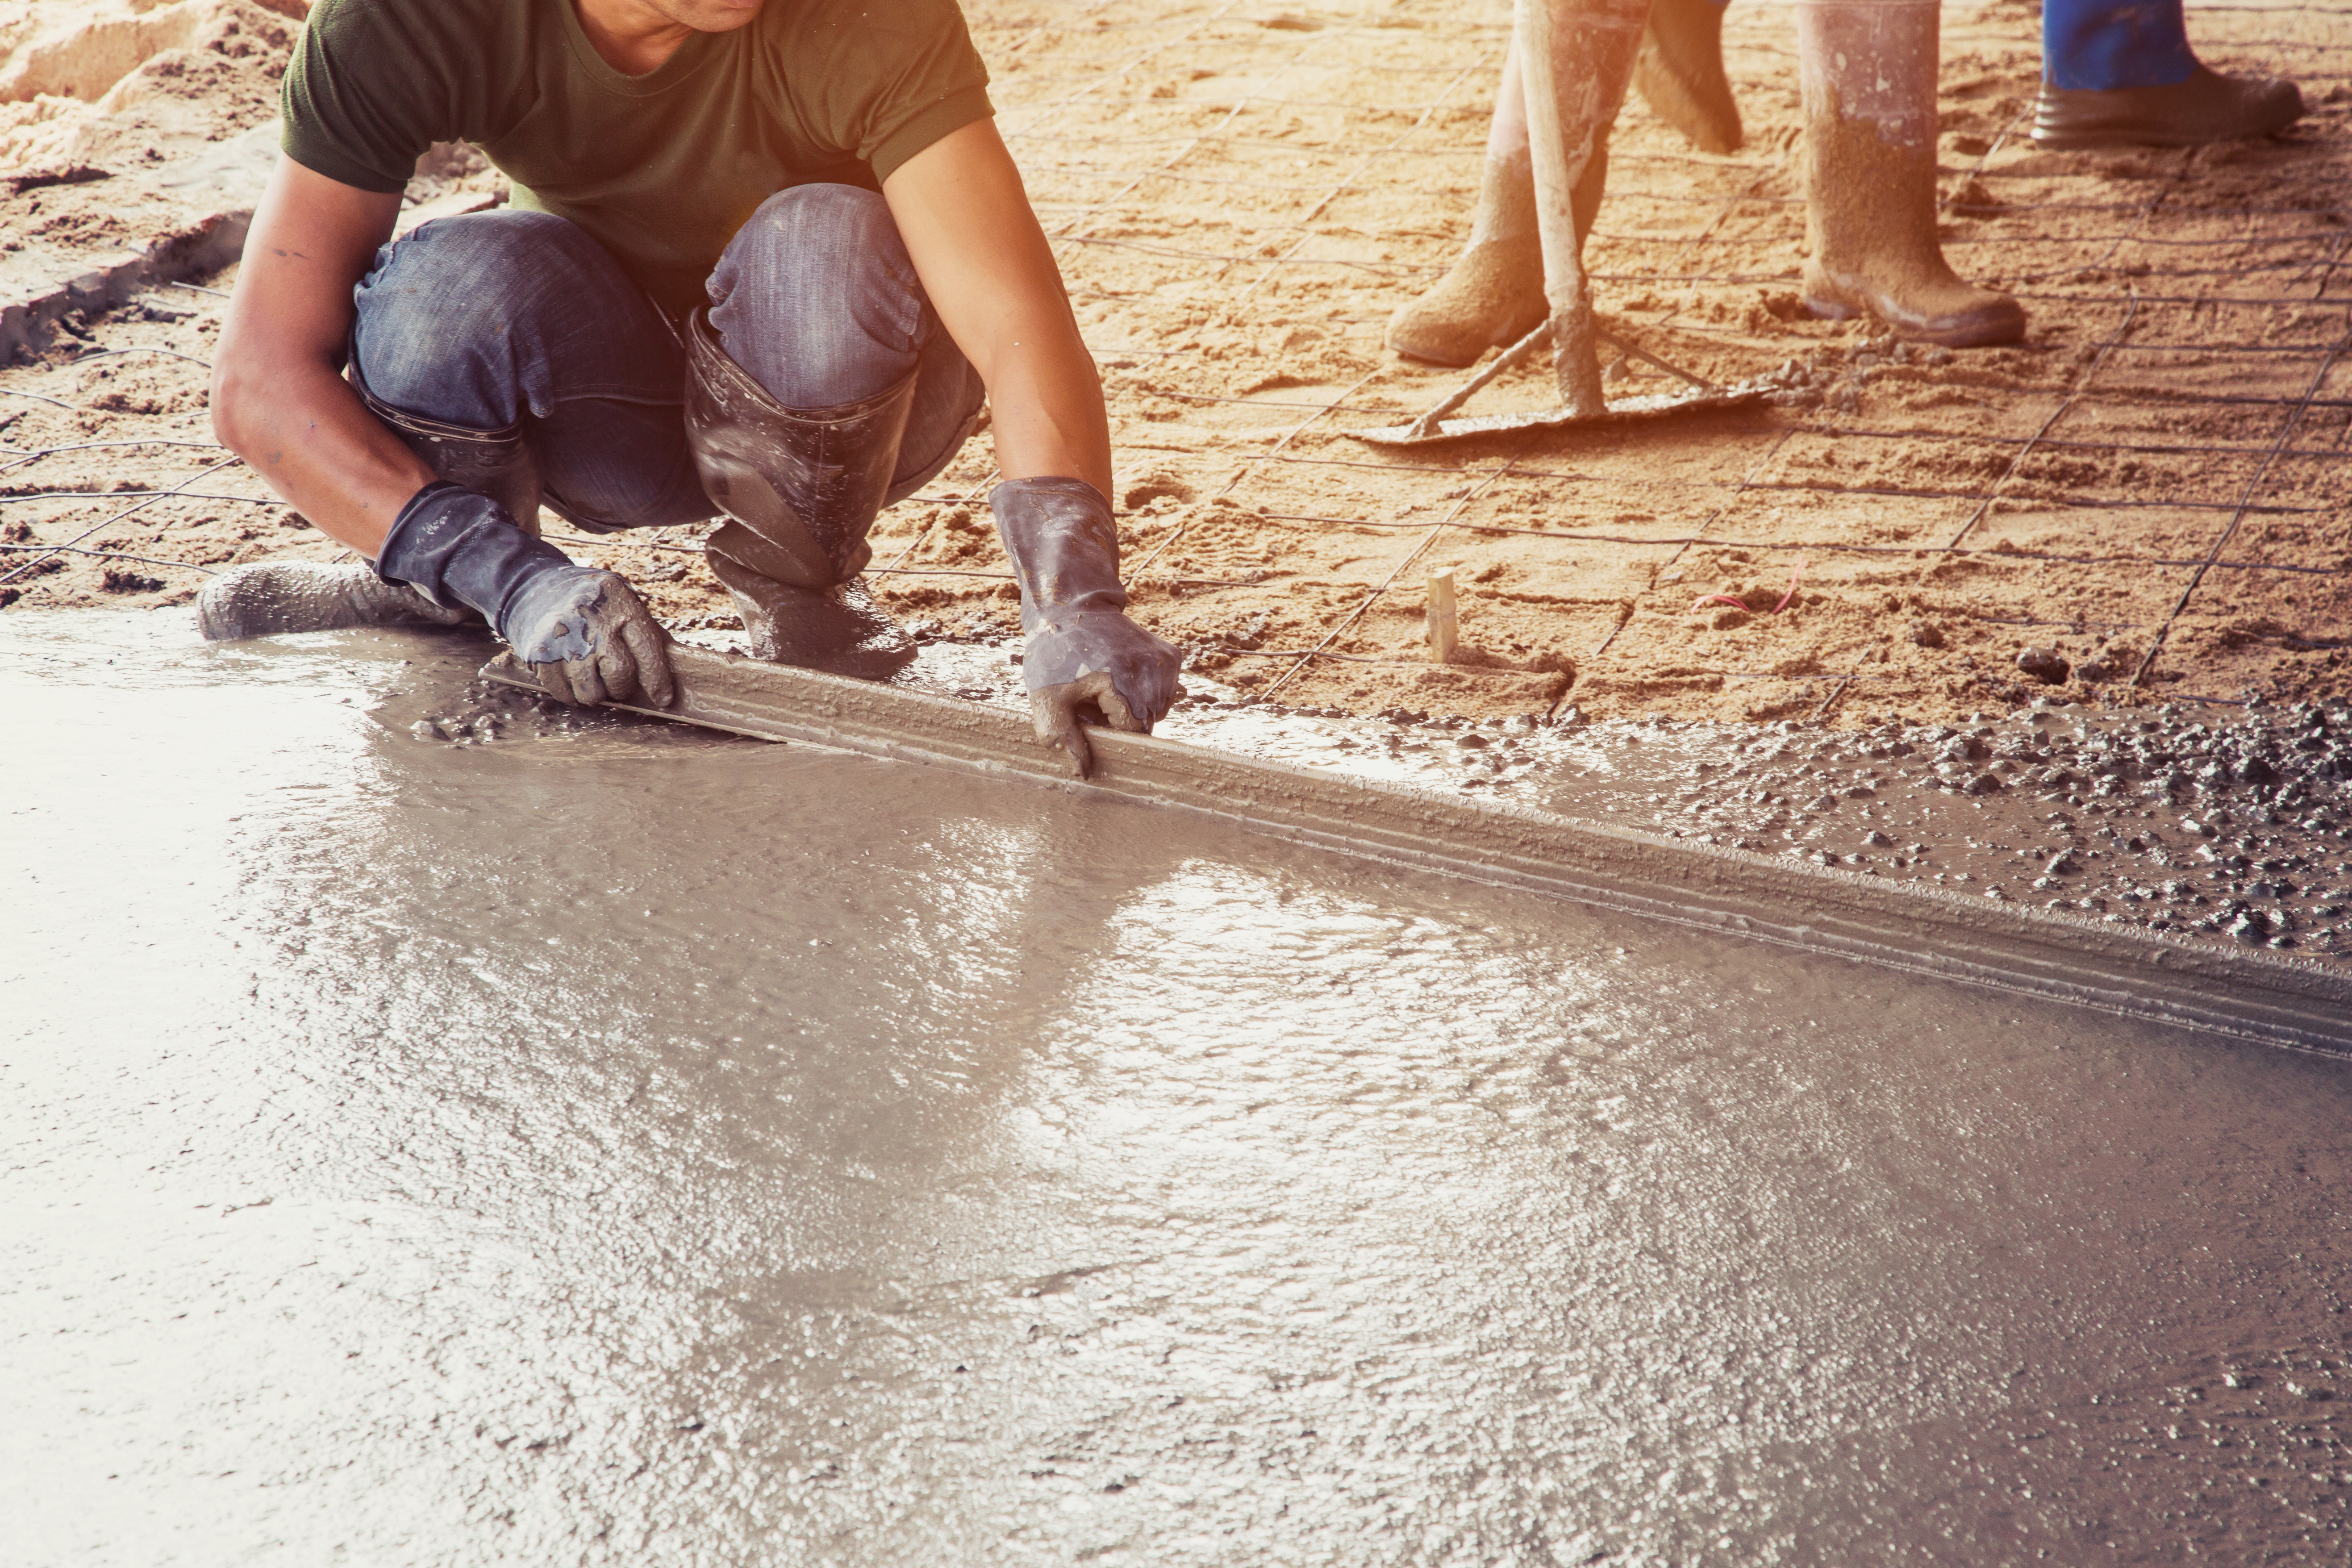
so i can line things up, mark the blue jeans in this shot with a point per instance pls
(504, 320)
(2102, 45)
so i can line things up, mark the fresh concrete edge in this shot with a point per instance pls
(2255, 994)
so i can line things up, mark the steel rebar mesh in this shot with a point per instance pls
(1239, 156)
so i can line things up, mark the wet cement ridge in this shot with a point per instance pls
(2253, 993)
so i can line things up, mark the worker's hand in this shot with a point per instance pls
(584, 632)
(1080, 663)
(589, 638)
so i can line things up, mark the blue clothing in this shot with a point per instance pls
(508, 318)
(2101, 45)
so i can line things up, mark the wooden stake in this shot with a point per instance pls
(1445, 620)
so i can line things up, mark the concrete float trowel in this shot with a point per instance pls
(1575, 58)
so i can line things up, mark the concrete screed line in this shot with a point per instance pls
(2254, 995)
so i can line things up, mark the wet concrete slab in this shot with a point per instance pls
(612, 1142)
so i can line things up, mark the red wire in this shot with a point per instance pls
(1705, 599)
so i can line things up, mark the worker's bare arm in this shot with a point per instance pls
(966, 221)
(992, 277)
(276, 399)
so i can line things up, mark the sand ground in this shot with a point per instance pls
(1241, 195)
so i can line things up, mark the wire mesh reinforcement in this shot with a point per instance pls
(1234, 189)
(1241, 193)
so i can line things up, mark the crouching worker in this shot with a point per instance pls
(762, 259)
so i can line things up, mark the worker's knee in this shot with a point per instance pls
(839, 240)
(460, 319)
(817, 297)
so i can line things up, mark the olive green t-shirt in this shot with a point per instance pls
(661, 169)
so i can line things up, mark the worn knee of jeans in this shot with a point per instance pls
(460, 320)
(817, 298)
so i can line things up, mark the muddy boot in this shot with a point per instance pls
(272, 596)
(1494, 295)
(1680, 73)
(1867, 71)
(800, 489)
(838, 629)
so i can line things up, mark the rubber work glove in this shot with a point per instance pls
(584, 632)
(1083, 657)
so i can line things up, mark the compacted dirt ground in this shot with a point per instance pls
(2151, 489)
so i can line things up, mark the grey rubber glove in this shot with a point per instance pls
(589, 638)
(1083, 655)
(584, 632)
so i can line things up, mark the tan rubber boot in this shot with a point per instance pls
(1680, 73)
(1867, 71)
(1493, 294)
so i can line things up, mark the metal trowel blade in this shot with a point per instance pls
(1693, 400)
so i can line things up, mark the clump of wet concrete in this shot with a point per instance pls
(483, 713)
(1834, 375)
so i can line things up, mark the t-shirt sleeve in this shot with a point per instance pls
(883, 80)
(355, 100)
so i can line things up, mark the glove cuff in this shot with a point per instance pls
(1063, 543)
(455, 545)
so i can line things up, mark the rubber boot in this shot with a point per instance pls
(800, 489)
(268, 597)
(498, 463)
(1680, 73)
(1493, 294)
(1868, 72)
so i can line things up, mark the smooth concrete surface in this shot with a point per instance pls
(626, 1145)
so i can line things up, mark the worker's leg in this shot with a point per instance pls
(510, 340)
(1680, 73)
(2120, 72)
(512, 354)
(1867, 70)
(1494, 293)
(816, 298)
(822, 387)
